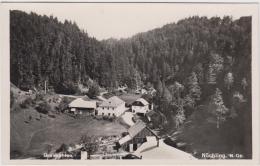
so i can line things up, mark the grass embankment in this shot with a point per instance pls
(33, 136)
(202, 136)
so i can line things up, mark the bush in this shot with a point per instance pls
(66, 88)
(52, 116)
(27, 102)
(63, 104)
(12, 99)
(93, 90)
(105, 117)
(43, 108)
(39, 97)
(111, 119)
(15, 108)
(62, 148)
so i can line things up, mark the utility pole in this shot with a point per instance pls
(45, 84)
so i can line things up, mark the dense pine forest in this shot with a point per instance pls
(193, 62)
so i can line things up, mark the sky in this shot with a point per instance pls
(122, 20)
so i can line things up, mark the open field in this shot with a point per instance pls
(35, 137)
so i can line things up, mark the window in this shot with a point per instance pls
(108, 114)
(113, 108)
(103, 114)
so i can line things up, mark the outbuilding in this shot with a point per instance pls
(137, 135)
(83, 106)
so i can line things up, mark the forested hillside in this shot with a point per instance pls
(196, 61)
(42, 48)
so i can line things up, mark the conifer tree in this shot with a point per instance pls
(179, 119)
(215, 66)
(244, 83)
(193, 85)
(176, 89)
(180, 116)
(229, 80)
(220, 109)
(189, 101)
(159, 87)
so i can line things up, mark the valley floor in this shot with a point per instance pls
(35, 137)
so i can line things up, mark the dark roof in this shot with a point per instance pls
(137, 103)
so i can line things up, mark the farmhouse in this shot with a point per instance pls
(137, 135)
(141, 106)
(83, 106)
(114, 106)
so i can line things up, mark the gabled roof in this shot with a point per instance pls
(124, 139)
(136, 128)
(112, 102)
(142, 101)
(83, 103)
(163, 151)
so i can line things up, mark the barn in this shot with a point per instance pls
(137, 135)
(83, 106)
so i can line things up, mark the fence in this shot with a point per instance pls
(116, 156)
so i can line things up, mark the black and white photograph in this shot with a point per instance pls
(121, 81)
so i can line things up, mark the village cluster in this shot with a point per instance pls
(140, 141)
(116, 147)
(112, 107)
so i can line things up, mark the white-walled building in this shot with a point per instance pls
(114, 106)
(140, 106)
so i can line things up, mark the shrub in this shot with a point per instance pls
(62, 148)
(26, 103)
(93, 90)
(39, 97)
(12, 99)
(52, 116)
(63, 104)
(111, 119)
(105, 117)
(16, 108)
(43, 108)
(66, 88)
